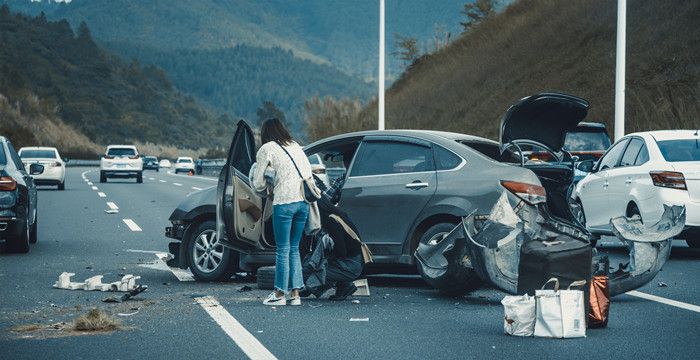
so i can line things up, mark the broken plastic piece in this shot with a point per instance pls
(65, 283)
(112, 211)
(127, 283)
(362, 287)
(662, 284)
(359, 319)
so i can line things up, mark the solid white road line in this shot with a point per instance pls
(94, 188)
(670, 302)
(162, 181)
(180, 274)
(89, 183)
(112, 205)
(196, 188)
(177, 184)
(245, 340)
(101, 194)
(151, 179)
(197, 177)
(131, 224)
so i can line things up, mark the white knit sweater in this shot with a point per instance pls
(287, 187)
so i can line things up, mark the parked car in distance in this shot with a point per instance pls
(184, 164)
(121, 161)
(18, 199)
(318, 168)
(637, 175)
(164, 163)
(54, 167)
(151, 163)
(200, 165)
(588, 141)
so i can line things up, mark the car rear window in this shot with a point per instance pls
(121, 152)
(34, 154)
(184, 160)
(150, 158)
(680, 150)
(586, 141)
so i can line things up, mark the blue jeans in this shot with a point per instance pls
(288, 222)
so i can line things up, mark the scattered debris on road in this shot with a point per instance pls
(359, 319)
(96, 320)
(126, 284)
(662, 284)
(245, 288)
(134, 312)
(355, 301)
(112, 211)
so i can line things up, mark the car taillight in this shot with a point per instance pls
(532, 194)
(134, 157)
(7, 183)
(668, 179)
(57, 164)
(318, 171)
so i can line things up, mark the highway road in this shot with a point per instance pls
(181, 319)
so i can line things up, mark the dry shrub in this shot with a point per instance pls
(96, 320)
(328, 116)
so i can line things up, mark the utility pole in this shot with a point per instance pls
(380, 97)
(620, 69)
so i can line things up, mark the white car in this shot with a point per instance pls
(165, 163)
(637, 175)
(184, 164)
(121, 161)
(54, 167)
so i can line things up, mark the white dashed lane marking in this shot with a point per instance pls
(196, 188)
(665, 301)
(131, 224)
(151, 179)
(177, 184)
(101, 194)
(112, 205)
(244, 339)
(94, 188)
(162, 181)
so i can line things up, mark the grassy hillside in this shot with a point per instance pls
(94, 92)
(541, 45)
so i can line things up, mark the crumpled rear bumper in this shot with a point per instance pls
(493, 245)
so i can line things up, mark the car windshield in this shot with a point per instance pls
(184, 160)
(35, 154)
(586, 141)
(680, 150)
(121, 152)
(150, 158)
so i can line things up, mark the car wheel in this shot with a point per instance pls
(103, 177)
(20, 243)
(139, 178)
(33, 236)
(265, 277)
(458, 279)
(62, 185)
(207, 258)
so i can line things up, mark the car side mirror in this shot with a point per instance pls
(586, 166)
(36, 169)
(65, 160)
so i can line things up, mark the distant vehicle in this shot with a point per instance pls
(184, 164)
(165, 163)
(121, 161)
(18, 199)
(637, 175)
(54, 167)
(588, 141)
(202, 164)
(319, 168)
(151, 163)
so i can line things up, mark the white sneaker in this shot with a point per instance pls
(273, 300)
(294, 300)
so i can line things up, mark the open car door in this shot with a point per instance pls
(238, 207)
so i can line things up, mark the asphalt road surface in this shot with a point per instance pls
(181, 319)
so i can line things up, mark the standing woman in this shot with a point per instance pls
(281, 154)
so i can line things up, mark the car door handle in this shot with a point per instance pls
(628, 181)
(417, 185)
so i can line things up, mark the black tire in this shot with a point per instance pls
(103, 177)
(206, 271)
(139, 178)
(20, 244)
(33, 235)
(458, 279)
(62, 186)
(266, 277)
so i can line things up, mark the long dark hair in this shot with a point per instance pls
(273, 130)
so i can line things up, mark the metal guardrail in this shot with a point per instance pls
(212, 171)
(77, 162)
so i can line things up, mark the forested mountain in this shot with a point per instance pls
(48, 69)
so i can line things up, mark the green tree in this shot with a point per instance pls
(268, 110)
(476, 12)
(407, 48)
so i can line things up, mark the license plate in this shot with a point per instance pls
(121, 166)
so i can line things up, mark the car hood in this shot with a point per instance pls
(197, 199)
(544, 118)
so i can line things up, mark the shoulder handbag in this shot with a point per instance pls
(310, 190)
(560, 313)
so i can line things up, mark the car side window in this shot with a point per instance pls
(391, 157)
(631, 152)
(241, 160)
(15, 158)
(611, 158)
(446, 159)
(643, 155)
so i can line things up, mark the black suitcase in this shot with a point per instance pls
(562, 257)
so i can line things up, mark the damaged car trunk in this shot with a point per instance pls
(527, 238)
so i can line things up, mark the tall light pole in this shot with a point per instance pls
(620, 69)
(380, 97)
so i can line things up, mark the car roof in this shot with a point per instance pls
(590, 126)
(38, 148)
(433, 135)
(662, 135)
(121, 146)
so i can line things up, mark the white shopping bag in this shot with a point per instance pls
(519, 319)
(560, 314)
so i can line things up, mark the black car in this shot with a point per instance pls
(18, 199)
(151, 163)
